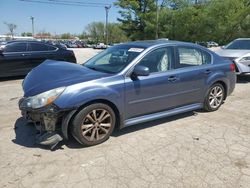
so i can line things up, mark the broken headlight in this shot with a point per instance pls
(42, 99)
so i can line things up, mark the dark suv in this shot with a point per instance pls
(17, 58)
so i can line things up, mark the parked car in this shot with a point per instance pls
(239, 52)
(57, 44)
(17, 58)
(212, 44)
(124, 85)
(202, 43)
(100, 46)
(71, 45)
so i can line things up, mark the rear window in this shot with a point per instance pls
(189, 56)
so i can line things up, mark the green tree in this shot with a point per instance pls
(138, 18)
(116, 34)
(26, 34)
(66, 36)
(186, 20)
(96, 31)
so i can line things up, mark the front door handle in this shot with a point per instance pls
(172, 78)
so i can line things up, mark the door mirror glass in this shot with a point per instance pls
(140, 70)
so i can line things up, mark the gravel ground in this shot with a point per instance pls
(194, 149)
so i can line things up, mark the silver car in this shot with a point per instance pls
(239, 52)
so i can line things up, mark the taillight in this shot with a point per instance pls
(232, 67)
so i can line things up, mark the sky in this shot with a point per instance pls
(56, 19)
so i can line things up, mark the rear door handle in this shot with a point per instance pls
(208, 71)
(25, 54)
(172, 78)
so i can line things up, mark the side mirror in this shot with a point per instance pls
(140, 70)
(222, 47)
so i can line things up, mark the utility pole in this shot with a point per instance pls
(106, 25)
(157, 20)
(33, 31)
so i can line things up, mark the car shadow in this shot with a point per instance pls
(243, 79)
(150, 124)
(11, 78)
(26, 135)
(26, 132)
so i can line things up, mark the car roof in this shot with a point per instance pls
(13, 41)
(243, 39)
(150, 43)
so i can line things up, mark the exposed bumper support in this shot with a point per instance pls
(51, 122)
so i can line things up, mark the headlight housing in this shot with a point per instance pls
(42, 99)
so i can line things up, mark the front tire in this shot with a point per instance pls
(93, 124)
(214, 98)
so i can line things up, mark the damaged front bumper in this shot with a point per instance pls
(51, 122)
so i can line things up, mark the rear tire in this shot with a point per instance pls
(93, 124)
(214, 98)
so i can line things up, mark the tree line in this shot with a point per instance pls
(184, 20)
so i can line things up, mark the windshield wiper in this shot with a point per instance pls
(98, 69)
(93, 68)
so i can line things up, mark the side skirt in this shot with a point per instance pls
(158, 115)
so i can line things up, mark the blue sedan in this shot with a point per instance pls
(124, 85)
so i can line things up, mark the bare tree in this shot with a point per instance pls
(11, 28)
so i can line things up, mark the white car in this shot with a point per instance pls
(212, 44)
(100, 46)
(239, 52)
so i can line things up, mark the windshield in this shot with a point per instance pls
(114, 59)
(239, 45)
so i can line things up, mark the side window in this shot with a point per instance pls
(189, 56)
(51, 48)
(15, 47)
(39, 47)
(159, 60)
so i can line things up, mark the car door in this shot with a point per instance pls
(14, 59)
(158, 91)
(192, 68)
(40, 52)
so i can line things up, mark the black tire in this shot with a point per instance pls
(88, 122)
(208, 104)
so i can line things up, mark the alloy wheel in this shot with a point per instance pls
(216, 97)
(96, 125)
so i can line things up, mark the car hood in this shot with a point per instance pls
(53, 74)
(231, 53)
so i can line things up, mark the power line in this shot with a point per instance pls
(68, 3)
(79, 2)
